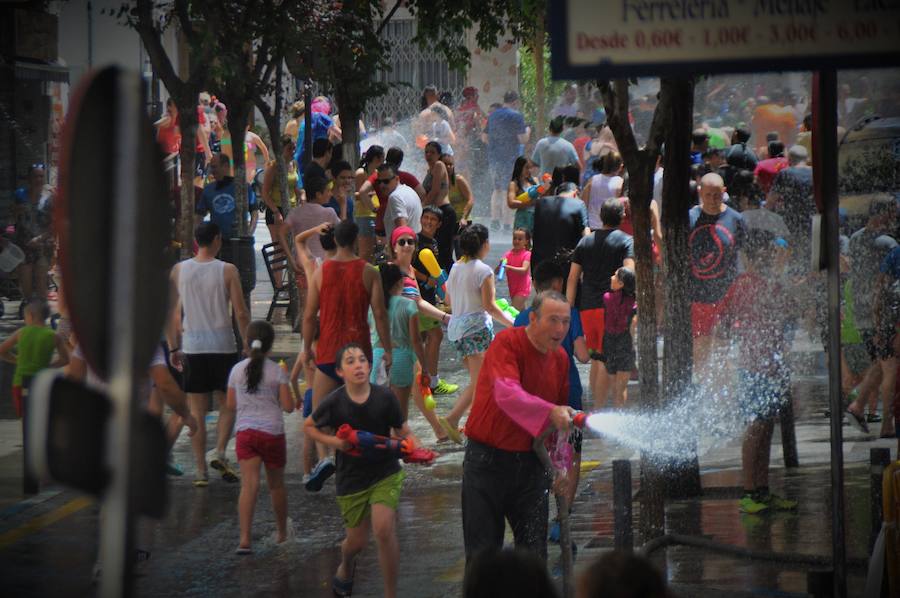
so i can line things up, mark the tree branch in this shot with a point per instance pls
(151, 38)
(388, 17)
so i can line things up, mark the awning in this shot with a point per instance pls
(41, 71)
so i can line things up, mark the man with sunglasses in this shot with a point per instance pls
(404, 208)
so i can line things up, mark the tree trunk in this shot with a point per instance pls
(640, 164)
(540, 101)
(350, 112)
(187, 122)
(237, 122)
(682, 478)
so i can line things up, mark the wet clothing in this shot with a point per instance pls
(600, 255)
(427, 292)
(207, 309)
(503, 479)
(559, 223)
(307, 215)
(618, 346)
(504, 126)
(512, 357)
(603, 188)
(218, 199)
(404, 202)
(714, 243)
(378, 414)
(381, 192)
(34, 351)
(458, 201)
(259, 410)
(519, 282)
(867, 251)
(795, 186)
(343, 309)
(553, 152)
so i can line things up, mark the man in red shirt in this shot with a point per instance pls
(522, 388)
(767, 169)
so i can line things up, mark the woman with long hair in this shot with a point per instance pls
(365, 203)
(437, 193)
(461, 199)
(472, 293)
(520, 182)
(276, 206)
(604, 186)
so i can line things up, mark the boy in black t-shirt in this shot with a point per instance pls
(429, 327)
(368, 488)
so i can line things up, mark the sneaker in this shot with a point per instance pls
(780, 503)
(873, 418)
(173, 468)
(752, 506)
(221, 464)
(304, 479)
(444, 388)
(320, 473)
(554, 533)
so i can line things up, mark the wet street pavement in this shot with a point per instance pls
(48, 543)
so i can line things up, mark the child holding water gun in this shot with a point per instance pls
(34, 343)
(618, 347)
(518, 267)
(258, 391)
(368, 486)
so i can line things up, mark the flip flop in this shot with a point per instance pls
(858, 421)
(452, 431)
(201, 482)
(342, 587)
(243, 551)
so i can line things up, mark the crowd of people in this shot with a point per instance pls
(388, 263)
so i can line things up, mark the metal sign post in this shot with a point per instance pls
(113, 234)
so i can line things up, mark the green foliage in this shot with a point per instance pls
(527, 87)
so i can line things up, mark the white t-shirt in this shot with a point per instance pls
(603, 188)
(404, 202)
(464, 286)
(260, 410)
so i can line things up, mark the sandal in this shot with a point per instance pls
(858, 421)
(342, 587)
(452, 431)
(243, 550)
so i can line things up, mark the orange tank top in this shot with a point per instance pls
(343, 309)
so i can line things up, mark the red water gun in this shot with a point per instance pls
(366, 444)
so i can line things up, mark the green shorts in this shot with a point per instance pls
(427, 323)
(357, 506)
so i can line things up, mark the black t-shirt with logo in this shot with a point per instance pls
(714, 243)
(378, 415)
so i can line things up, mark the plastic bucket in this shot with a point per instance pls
(10, 257)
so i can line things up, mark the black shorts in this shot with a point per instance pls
(879, 346)
(618, 353)
(208, 372)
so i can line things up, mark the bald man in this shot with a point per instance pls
(717, 233)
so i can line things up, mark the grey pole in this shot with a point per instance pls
(827, 177)
(622, 518)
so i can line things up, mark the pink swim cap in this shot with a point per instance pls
(399, 232)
